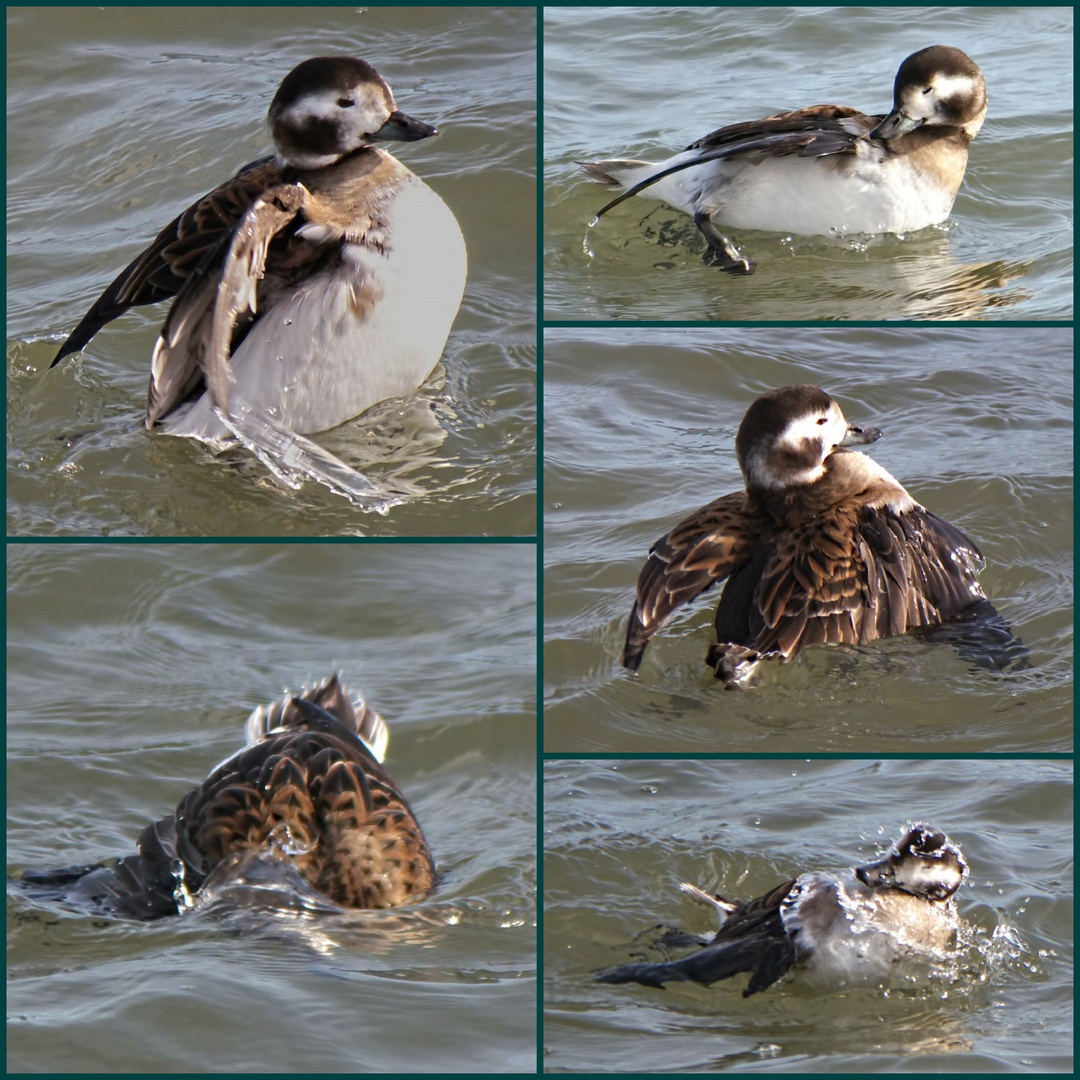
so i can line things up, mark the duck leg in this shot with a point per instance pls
(724, 253)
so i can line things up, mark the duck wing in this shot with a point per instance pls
(753, 939)
(861, 573)
(198, 336)
(698, 552)
(177, 251)
(817, 131)
(309, 788)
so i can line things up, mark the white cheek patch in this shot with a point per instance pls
(948, 86)
(370, 111)
(322, 106)
(920, 875)
(922, 106)
(799, 432)
(809, 429)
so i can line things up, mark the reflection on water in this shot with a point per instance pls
(866, 278)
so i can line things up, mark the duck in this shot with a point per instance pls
(831, 929)
(307, 789)
(825, 170)
(313, 284)
(822, 547)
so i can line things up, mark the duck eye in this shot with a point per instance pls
(345, 103)
(822, 420)
(928, 90)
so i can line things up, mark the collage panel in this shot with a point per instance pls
(865, 164)
(353, 890)
(828, 916)
(917, 593)
(338, 330)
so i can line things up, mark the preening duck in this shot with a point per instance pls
(827, 169)
(822, 547)
(313, 284)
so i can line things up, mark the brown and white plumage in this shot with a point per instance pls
(826, 169)
(308, 789)
(823, 547)
(316, 282)
(835, 928)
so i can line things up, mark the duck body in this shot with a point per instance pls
(308, 789)
(312, 284)
(823, 546)
(833, 929)
(826, 169)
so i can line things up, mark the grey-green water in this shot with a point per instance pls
(639, 432)
(118, 119)
(620, 836)
(131, 670)
(645, 82)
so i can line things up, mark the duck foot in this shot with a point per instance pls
(721, 251)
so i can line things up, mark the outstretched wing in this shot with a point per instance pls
(861, 574)
(161, 270)
(753, 939)
(699, 551)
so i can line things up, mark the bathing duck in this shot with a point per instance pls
(827, 169)
(313, 284)
(308, 788)
(823, 546)
(831, 928)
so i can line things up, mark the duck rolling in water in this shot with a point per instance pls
(832, 929)
(827, 169)
(823, 547)
(308, 788)
(313, 284)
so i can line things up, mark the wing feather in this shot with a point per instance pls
(865, 573)
(697, 553)
(176, 252)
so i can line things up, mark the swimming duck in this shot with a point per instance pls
(823, 546)
(313, 284)
(832, 928)
(308, 788)
(826, 169)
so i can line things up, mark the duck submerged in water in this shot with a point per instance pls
(308, 789)
(823, 547)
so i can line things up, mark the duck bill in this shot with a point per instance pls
(860, 436)
(894, 125)
(876, 875)
(402, 128)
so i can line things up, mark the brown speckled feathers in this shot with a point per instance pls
(308, 789)
(823, 547)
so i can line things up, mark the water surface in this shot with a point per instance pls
(645, 82)
(119, 119)
(131, 670)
